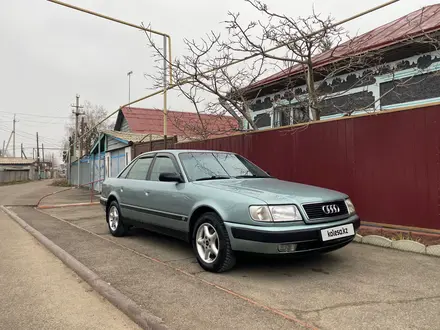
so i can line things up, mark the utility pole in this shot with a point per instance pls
(129, 86)
(23, 154)
(42, 150)
(13, 137)
(51, 166)
(81, 138)
(77, 114)
(38, 157)
(69, 157)
(3, 150)
(165, 110)
(7, 144)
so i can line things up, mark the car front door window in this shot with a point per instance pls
(167, 199)
(162, 164)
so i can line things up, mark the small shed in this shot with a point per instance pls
(113, 151)
(14, 169)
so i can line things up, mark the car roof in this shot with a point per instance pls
(179, 151)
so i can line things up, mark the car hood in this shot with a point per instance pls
(274, 191)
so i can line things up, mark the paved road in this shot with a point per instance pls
(38, 292)
(357, 287)
(30, 193)
(25, 194)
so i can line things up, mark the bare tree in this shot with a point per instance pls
(321, 66)
(308, 39)
(211, 85)
(93, 114)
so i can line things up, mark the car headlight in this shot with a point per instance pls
(275, 213)
(350, 206)
(282, 213)
(260, 213)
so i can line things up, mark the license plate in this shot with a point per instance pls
(337, 232)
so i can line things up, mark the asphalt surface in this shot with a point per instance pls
(25, 193)
(357, 287)
(38, 292)
(30, 193)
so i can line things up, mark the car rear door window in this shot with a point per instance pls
(124, 173)
(140, 169)
(162, 164)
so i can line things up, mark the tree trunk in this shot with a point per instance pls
(314, 111)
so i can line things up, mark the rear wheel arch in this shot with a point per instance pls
(110, 199)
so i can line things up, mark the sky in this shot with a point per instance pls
(50, 53)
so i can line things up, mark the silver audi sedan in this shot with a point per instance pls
(222, 203)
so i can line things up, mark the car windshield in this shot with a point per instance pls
(218, 165)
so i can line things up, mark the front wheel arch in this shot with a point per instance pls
(225, 257)
(196, 215)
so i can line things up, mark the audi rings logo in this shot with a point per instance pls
(330, 209)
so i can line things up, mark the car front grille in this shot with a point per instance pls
(317, 211)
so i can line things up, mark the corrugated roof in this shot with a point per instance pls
(415, 24)
(133, 137)
(142, 120)
(16, 161)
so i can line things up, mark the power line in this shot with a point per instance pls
(31, 137)
(32, 115)
(46, 148)
(44, 122)
(186, 80)
(41, 137)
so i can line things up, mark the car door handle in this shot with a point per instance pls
(146, 193)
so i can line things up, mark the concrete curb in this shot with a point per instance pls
(118, 299)
(433, 250)
(377, 240)
(55, 206)
(402, 245)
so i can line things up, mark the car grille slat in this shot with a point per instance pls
(315, 211)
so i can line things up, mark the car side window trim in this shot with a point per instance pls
(128, 168)
(149, 168)
(167, 155)
(126, 171)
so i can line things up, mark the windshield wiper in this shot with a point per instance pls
(252, 176)
(214, 177)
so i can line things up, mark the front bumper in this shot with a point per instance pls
(103, 202)
(266, 240)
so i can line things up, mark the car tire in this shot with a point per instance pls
(224, 260)
(114, 220)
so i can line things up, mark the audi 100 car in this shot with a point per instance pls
(222, 203)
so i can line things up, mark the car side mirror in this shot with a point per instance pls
(170, 177)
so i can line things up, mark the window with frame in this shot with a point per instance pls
(347, 103)
(162, 164)
(282, 116)
(262, 120)
(140, 169)
(290, 114)
(417, 88)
